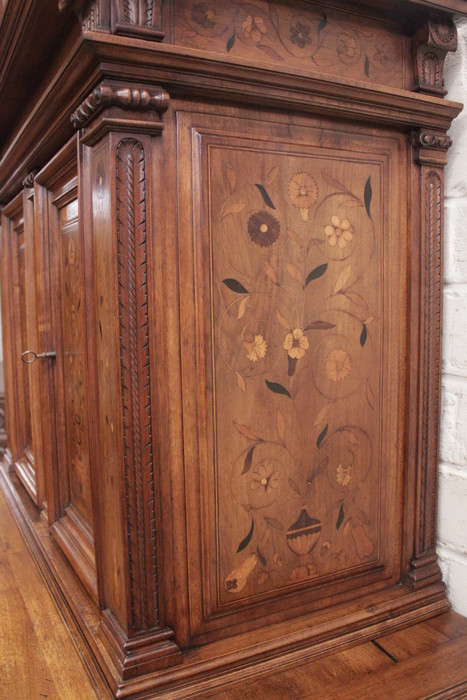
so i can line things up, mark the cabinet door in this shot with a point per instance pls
(70, 500)
(292, 278)
(20, 327)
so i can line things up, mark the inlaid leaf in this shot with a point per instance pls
(316, 471)
(323, 414)
(321, 436)
(233, 209)
(270, 52)
(266, 537)
(323, 23)
(248, 460)
(369, 394)
(314, 242)
(246, 541)
(271, 176)
(294, 487)
(242, 308)
(295, 273)
(319, 326)
(363, 336)
(357, 299)
(367, 196)
(367, 66)
(269, 270)
(291, 365)
(274, 523)
(333, 182)
(295, 238)
(342, 279)
(231, 177)
(280, 425)
(283, 321)
(350, 436)
(340, 517)
(240, 381)
(235, 286)
(277, 388)
(369, 320)
(316, 273)
(231, 42)
(261, 556)
(245, 431)
(265, 196)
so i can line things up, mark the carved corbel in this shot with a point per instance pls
(430, 46)
(126, 108)
(432, 147)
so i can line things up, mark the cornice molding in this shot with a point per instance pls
(126, 98)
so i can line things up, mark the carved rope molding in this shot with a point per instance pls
(132, 99)
(135, 382)
(431, 351)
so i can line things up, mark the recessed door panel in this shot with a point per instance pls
(296, 247)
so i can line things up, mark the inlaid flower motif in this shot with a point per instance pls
(203, 15)
(303, 192)
(339, 232)
(363, 543)
(263, 229)
(384, 53)
(296, 343)
(338, 365)
(300, 34)
(347, 48)
(265, 477)
(254, 28)
(256, 350)
(344, 474)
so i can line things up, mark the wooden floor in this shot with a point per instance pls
(38, 658)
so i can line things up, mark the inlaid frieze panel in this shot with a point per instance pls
(306, 37)
(297, 389)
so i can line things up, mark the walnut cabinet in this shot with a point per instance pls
(221, 303)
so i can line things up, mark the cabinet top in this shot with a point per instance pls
(374, 60)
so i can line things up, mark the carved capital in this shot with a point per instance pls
(131, 99)
(430, 46)
(432, 146)
(29, 179)
(429, 139)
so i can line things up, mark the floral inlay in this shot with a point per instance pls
(203, 15)
(300, 34)
(296, 343)
(256, 350)
(263, 229)
(338, 365)
(339, 232)
(384, 53)
(303, 191)
(254, 28)
(344, 474)
(347, 47)
(264, 477)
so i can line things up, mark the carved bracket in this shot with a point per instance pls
(107, 95)
(432, 147)
(430, 46)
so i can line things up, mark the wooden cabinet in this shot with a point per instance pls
(222, 239)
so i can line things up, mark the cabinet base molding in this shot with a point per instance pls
(119, 666)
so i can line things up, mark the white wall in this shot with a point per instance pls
(452, 522)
